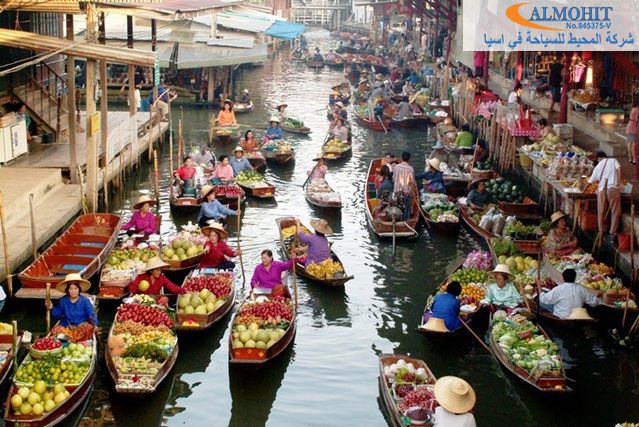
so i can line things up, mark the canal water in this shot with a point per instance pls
(329, 376)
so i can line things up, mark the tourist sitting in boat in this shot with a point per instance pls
(274, 130)
(143, 220)
(446, 307)
(217, 254)
(465, 140)
(408, 89)
(153, 281)
(456, 399)
(560, 240)
(502, 292)
(390, 160)
(185, 175)
(433, 176)
(281, 113)
(245, 98)
(405, 111)
(340, 131)
(564, 299)
(223, 170)
(478, 198)
(317, 247)
(239, 163)
(439, 152)
(73, 309)
(211, 209)
(250, 143)
(268, 274)
(405, 184)
(384, 184)
(330, 56)
(226, 116)
(203, 157)
(319, 171)
(317, 56)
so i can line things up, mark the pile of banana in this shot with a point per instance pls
(326, 269)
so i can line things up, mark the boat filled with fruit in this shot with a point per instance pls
(210, 296)
(334, 149)
(472, 275)
(439, 212)
(278, 151)
(262, 328)
(7, 355)
(329, 272)
(525, 350)
(254, 184)
(184, 250)
(53, 380)
(142, 344)
(122, 267)
(406, 385)
(229, 193)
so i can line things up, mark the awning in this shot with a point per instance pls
(244, 22)
(191, 55)
(285, 30)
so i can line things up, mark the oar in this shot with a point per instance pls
(239, 224)
(394, 235)
(483, 344)
(382, 123)
(48, 313)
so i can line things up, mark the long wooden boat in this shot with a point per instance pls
(391, 404)
(376, 125)
(82, 248)
(411, 122)
(315, 191)
(77, 397)
(315, 64)
(331, 152)
(528, 209)
(255, 357)
(199, 322)
(226, 134)
(241, 108)
(384, 228)
(186, 205)
(266, 190)
(6, 345)
(542, 384)
(280, 157)
(302, 130)
(338, 63)
(125, 383)
(335, 281)
(547, 315)
(257, 160)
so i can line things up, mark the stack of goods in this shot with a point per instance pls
(277, 146)
(320, 191)
(439, 208)
(49, 374)
(327, 269)
(526, 346)
(502, 190)
(473, 277)
(569, 166)
(411, 390)
(122, 266)
(259, 324)
(335, 146)
(230, 191)
(253, 155)
(506, 226)
(421, 99)
(184, 245)
(140, 342)
(205, 295)
(293, 123)
(251, 179)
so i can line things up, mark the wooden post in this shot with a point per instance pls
(48, 313)
(34, 240)
(104, 128)
(154, 48)
(131, 68)
(92, 147)
(71, 101)
(211, 87)
(5, 246)
(156, 177)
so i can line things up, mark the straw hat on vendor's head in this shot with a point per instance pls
(435, 324)
(321, 226)
(557, 216)
(454, 394)
(579, 313)
(216, 227)
(73, 278)
(274, 119)
(238, 148)
(206, 190)
(280, 105)
(246, 91)
(337, 87)
(154, 263)
(142, 200)
(228, 101)
(502, 269)
(363, 82)
(434, 163)
(340, 104)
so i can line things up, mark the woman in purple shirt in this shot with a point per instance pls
(318, 248)
(143, 220)
(268, 274)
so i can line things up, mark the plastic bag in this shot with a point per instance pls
(486, 222)
(509, 220)
(498, 224)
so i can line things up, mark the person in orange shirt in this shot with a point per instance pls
(226, 117)
(249, 143)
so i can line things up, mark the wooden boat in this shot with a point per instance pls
(124, 382)
(226, 134)
(333, 282)
(280, 156)
(395, 414)
(186, 205)
(547, 315)
(415, 121)
(6, 345)
(266, 190)
(302, 130)
(528, 209)
(338, 63)
(255, 357)
(330, 152)
(442, 226)
(376, 125)
(82, 249)
(77, 397)
(257, 160)
(542, 384)
(385, 228)
(115, 289)
(315, 191)
(241, 108)
(200, 322)
(313, 63)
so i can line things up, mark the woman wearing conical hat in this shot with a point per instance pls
(74, 309)
(502, 292)
(456, 399)
(143, 220)
(217, 254)
(152, 281)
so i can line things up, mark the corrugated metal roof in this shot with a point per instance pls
(198, 55)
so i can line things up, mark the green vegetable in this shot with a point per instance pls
(147, 351)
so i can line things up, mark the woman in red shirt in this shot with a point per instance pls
(153, 281)
(186, 171)
(217, 254)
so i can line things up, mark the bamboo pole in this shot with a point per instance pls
(483, 344)
(239, 249)
(157, 178)
(14, 344)
(5, 245)
(34, 240)
(48, 313)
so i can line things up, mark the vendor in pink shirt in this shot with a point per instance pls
(268, 274)
(143, 220)
(223, 170)
(318, 249)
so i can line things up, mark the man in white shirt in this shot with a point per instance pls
(608, 174)
(563, 299)
(404, 183)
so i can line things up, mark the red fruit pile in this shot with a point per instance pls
(401, 390)
(46, 344)
(229, 190)
(148, 316)
(421, 397)
(268, 310)
(219, 285)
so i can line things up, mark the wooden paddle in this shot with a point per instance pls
(239, 225)
(382, 123)
(48, 301)
(483, 344)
